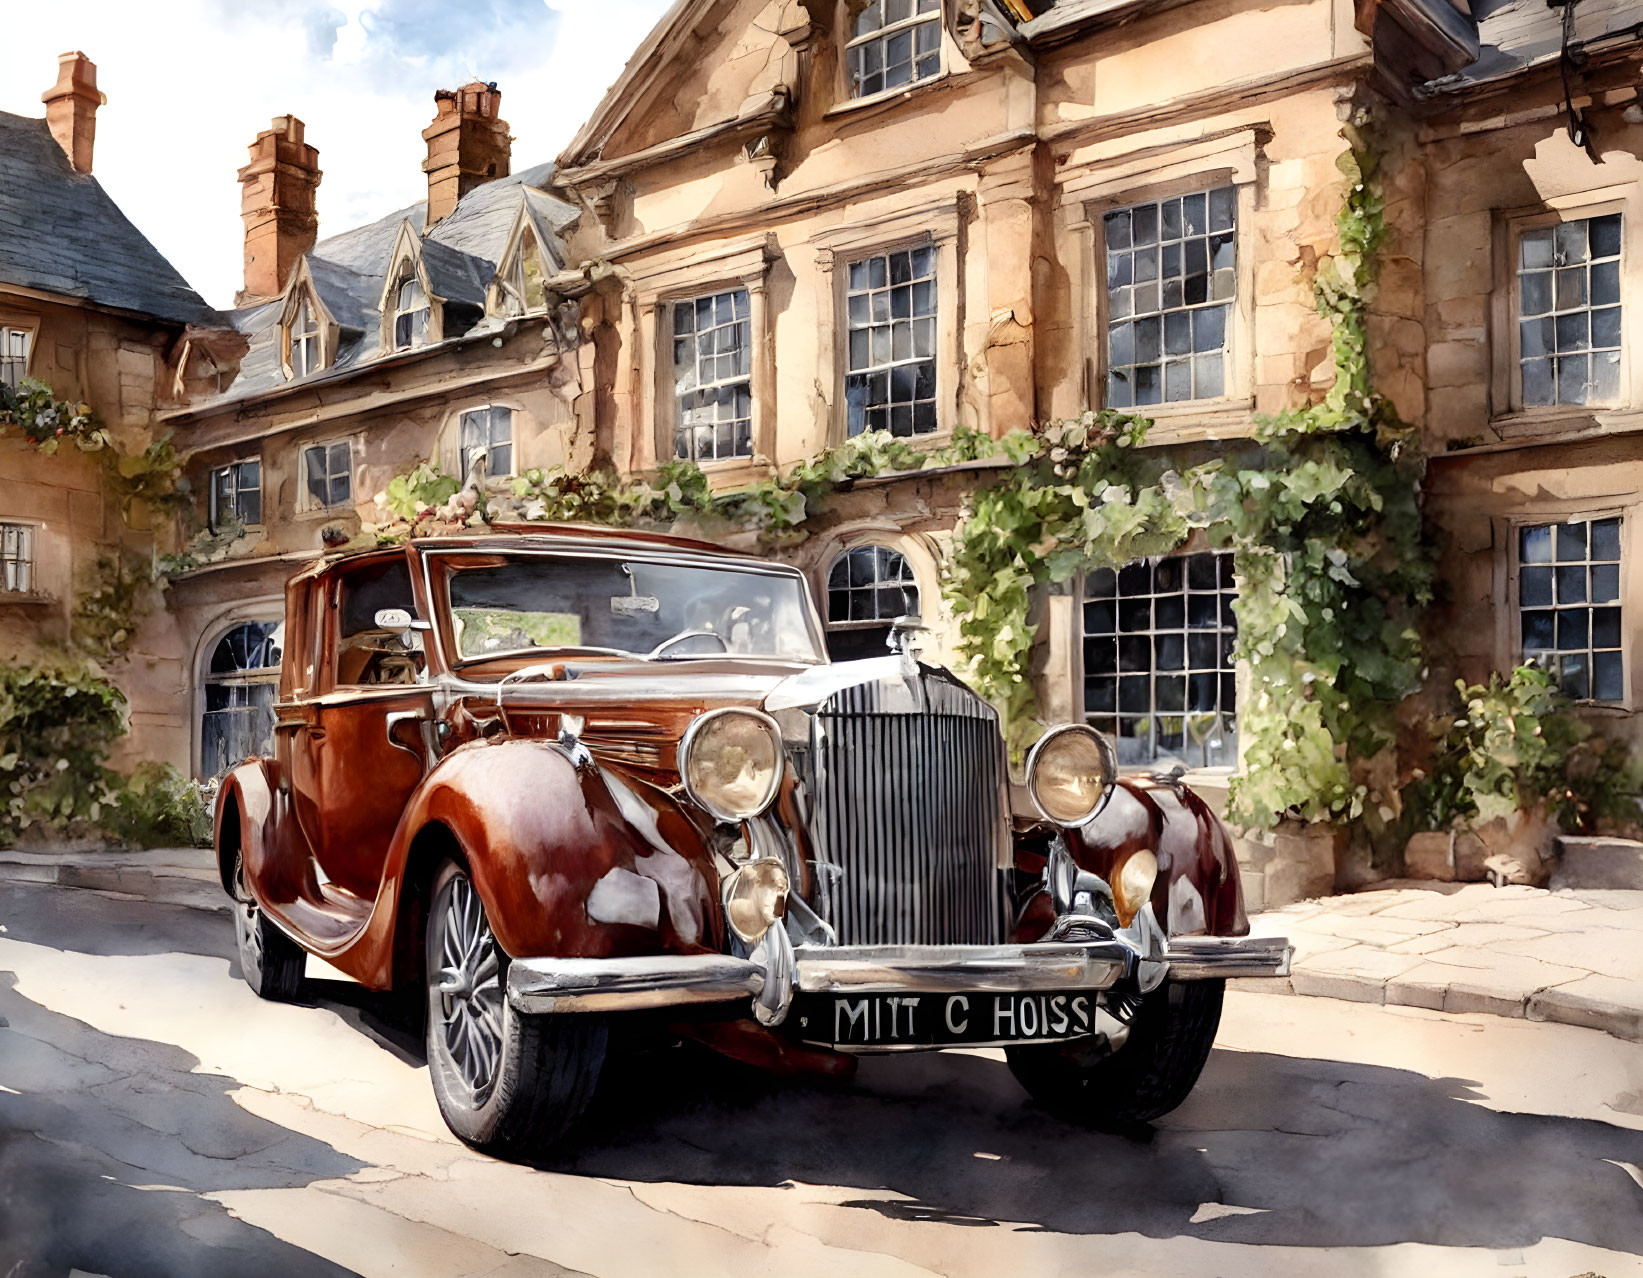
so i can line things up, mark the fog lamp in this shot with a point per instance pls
(755, 897)
(731, 761)
(1070, 772)
(1133, 887)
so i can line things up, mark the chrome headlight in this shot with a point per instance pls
(1070, 773)
(731, 762)
(755, 897)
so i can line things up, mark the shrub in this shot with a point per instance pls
(1516, 743)
(58, 718)
(158, 807)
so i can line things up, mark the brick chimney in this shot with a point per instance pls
(71, 108)
(277, 205)
(467, 145)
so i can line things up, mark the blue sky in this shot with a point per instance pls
(191, 82)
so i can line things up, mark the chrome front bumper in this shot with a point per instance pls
(631, 984)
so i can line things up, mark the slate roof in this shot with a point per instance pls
(350, 271)
(1515, 34)
(61, 233)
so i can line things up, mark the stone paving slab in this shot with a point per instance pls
(1570, 956)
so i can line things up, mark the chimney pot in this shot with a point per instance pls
(277, 191)
(468, 145)
(71, 108)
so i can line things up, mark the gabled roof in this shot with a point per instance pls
(61, 233)
(350, 273)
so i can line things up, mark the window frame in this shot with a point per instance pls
(30, 331)
(513, 438)
(212, 513)
(511, 281)
(1510, 634)
(1177, 418)
(1192, 547)
(848, 97)
(852, 260)
(414, 340)
(29, 557)
(307, 503)
(668, 339)
(1506, 375)
(291, 338)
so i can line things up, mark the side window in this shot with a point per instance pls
(366, 655)
(328, 475)
(15, 344)
(1569, 611)
(17, 559)
(891, 43)
(713, 377)
(868, 587)
(890, 317)
(491, 429)
(236, 494)
(1171, 280)
(1568, 312)
(1159, 675)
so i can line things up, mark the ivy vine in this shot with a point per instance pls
(1322, 510)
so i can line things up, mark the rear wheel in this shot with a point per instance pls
(1170, 1036)
(271, 962)
(507, 1083)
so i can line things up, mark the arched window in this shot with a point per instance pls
(241, 681)
(868, 587)
(410, 314)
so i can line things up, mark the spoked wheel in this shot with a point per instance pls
(507, 1083)
(271, 962)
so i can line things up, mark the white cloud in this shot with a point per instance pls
(190, 83)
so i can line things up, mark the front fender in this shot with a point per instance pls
(246, 798)
(1197, 892)
(570, 862)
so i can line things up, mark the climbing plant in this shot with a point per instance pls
(1322, 511)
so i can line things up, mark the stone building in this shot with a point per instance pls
(790, 221)
(424, 336)
(90, 307)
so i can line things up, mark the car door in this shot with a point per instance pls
(358, 746)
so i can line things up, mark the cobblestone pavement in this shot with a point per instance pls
(156, 1118)
(1573, 957)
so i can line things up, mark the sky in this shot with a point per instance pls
(190, 83)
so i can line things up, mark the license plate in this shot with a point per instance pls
(941, 1020)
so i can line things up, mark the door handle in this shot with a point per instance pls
(392, 720)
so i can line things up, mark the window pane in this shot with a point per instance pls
(1558, 624)
(1569, 305)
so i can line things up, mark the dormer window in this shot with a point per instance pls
(892, 43)
(523, 285)
(304, 340)
(410, 314)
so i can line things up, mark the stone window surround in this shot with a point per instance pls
(937, 224)
(307, 506)
(738, 264)
(1508, 416)
(1508, 639)
(1093, 188)
(328, 328)
(29, 324)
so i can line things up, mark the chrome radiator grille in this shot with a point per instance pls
(909, 819)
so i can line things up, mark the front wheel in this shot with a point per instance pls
(507, 1083)
(1170, 1036)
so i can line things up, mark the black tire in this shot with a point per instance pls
(271, 962)
(1155, 1069)
(507, 1083)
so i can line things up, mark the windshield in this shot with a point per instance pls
(625, 606)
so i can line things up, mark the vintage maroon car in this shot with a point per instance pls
(574, 787)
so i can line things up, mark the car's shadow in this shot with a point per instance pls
(1314, 1152)
(1311, 1152)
